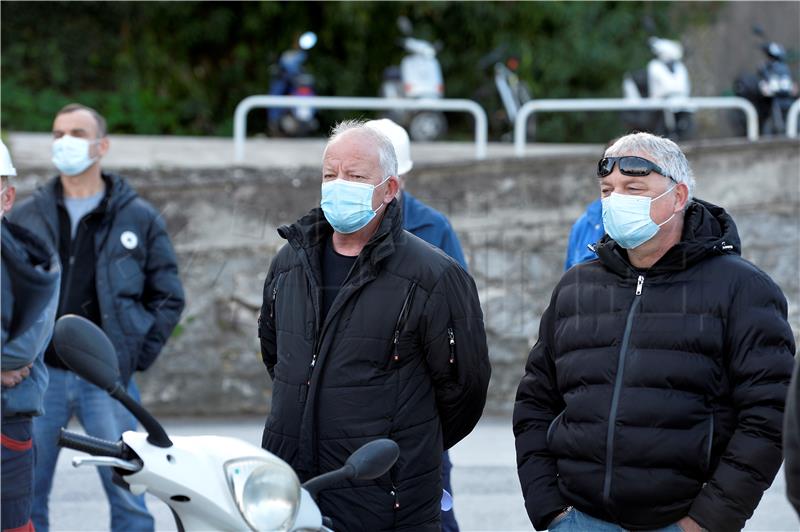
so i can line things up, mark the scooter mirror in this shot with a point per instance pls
(308, 40)
(373, 459)
(87, 351)
(757, 30)
(404, 25)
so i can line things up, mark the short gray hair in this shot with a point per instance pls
(386, 155)
(662, 151)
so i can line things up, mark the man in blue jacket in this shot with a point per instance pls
(119, 271)
(433, 227)
(31, 275)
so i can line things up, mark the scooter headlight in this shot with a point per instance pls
(267, 492)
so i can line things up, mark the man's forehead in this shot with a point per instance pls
(352, 148)
(80, 119)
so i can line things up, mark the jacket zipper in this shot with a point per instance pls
(710, 442)
(612, 418)
(274, 296)
(452, 341)
(401, 322)
(73, 245)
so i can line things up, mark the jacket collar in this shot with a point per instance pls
(309, 232)
(707, 230)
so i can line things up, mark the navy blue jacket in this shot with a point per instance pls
(31, 275)
(136, 273)
(431, 226)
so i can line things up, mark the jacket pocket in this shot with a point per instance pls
(552, 427)
(274, 296)
(400, 324)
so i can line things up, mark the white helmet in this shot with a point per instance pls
(6, 166)
(399, 138)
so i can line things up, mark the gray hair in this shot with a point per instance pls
(386, 154)
(663, 152)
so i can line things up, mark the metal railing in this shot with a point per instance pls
(622, 104)
(337, 102)
(791, 119)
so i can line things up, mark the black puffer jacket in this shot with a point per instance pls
(652, 395)
(346, 382)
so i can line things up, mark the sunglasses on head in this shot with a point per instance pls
(629, 165)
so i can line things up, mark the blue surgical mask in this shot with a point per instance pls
(71, 155)
(348, 205)
(626, 218)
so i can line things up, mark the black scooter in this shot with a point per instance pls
(771, 89)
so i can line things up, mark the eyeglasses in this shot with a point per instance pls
(629, 165)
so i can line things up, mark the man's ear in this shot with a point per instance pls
(681, 196)
(102, 147)
(9, 195)
(392, 188)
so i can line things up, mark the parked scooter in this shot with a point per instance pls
(418, 76)
(209, 482)
(665, 77)
(771, 90)
(290, 78)
(512, 92)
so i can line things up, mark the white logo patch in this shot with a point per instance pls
(129, 239)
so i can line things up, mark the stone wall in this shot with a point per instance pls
(512, 216)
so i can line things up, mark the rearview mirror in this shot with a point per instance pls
(373, 459)
(87, 351)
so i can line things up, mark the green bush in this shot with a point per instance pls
(181, 67)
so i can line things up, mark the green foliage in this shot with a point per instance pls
(181, 67)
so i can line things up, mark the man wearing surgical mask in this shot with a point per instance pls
(653, 398)
(118, 270)
(369, 332)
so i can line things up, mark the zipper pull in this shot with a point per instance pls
(639, 284)
(311, 369)
(452, 336)
(396, 355)
(396, 497)
(274, 297)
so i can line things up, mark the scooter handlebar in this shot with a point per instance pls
(91, 445)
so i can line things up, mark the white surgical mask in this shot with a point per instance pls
(71, 155)
(626, 218)
(348, 205)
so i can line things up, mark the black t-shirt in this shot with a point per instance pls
(335, 268)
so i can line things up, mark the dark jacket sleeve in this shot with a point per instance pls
(537, 404)
(266, 324)
(791, 441)
(456, 353)
(760, 348)
(163, 293)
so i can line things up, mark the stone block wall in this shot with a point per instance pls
(512, 216)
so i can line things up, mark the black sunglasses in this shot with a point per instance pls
(629, 165)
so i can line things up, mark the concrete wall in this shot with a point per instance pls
(512, 216)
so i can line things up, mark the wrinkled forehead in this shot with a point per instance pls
(352, 148)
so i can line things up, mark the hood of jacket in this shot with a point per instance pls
(707, 230)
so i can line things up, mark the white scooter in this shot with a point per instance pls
(209, 482)
(666, 77)
(418, 76)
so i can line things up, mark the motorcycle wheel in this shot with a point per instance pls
(427, 125)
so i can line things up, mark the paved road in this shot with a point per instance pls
(487, 494)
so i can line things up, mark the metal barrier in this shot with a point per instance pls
(791, 119)
(621, 104)
(336, 102)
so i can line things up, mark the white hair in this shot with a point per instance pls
(661, 151)
(386, 154)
